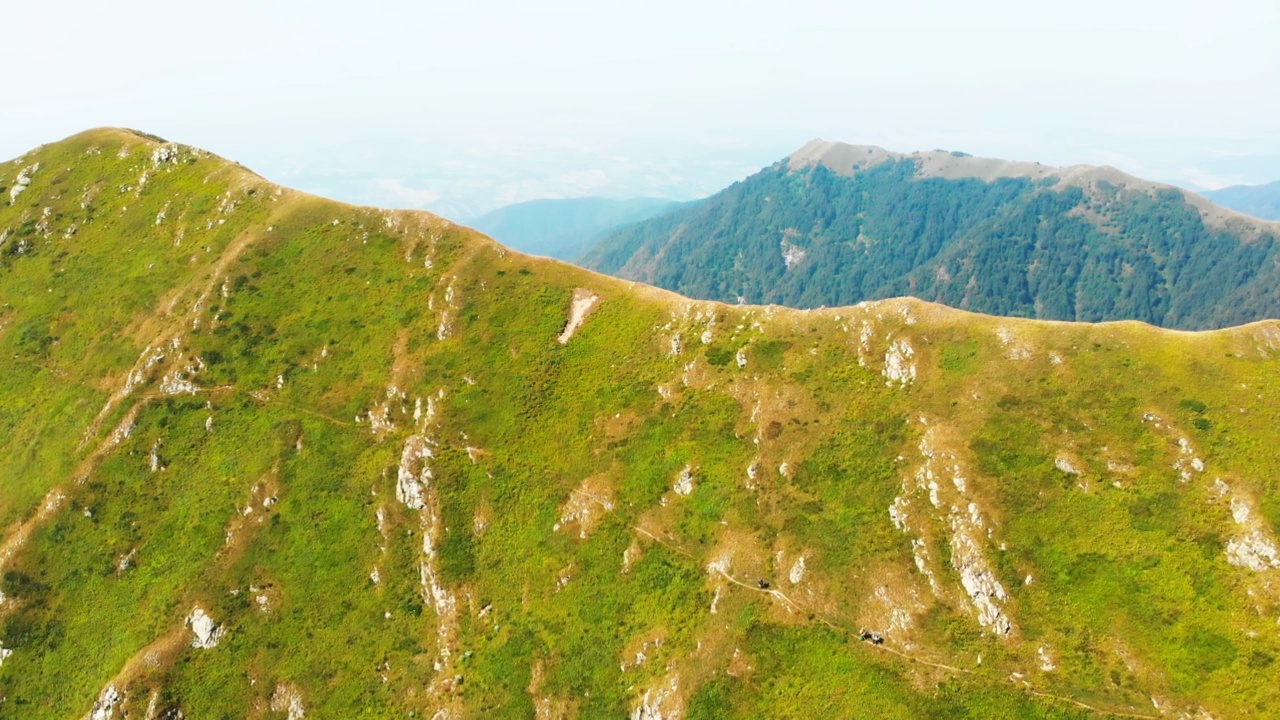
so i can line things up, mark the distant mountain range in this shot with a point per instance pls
(1260, 201)
(565, 229)
(835, 224)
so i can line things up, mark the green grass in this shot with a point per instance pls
(1131, 586)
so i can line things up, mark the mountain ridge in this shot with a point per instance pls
(647, 289)
(846, 159)
(835, 224)
(1260, 201)
(268, 455)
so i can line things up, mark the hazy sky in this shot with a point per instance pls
(461, 106)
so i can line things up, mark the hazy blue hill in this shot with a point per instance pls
(1260, 201)
(564, 229)
(838, 224)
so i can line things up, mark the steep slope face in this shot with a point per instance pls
(1260, 201)
(837, 224)
(266, 455)
(565, 229)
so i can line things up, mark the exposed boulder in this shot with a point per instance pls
(684, 482)
(898, 364)
(205, 632)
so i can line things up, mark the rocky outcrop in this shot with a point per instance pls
(1254, 551)
(899, 367)
(104, 707)
(1253, 548)
(979, 581)
(792, 254)
(22, 181)
(940, 480)
(661, 702)
(414, 472)
(287, 699)
(205, 632)
(1064, 464)
(684, 482)
(797, 571)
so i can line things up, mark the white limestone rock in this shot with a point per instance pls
(205, 632)
(1045, 655)
(288, 700)
(898, 364)
(1240, 510)
(684, 482)
(792, 254)
(105, 706)
(1064, 464)
(797, 571)
(1254, 551)
(980, 583)
(414, 472)
(662, 702)
(164, 154)
(22, 181)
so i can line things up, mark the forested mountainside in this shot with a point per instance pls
(838, 224)
(564, 228)
(1260, 201)
(266, 455)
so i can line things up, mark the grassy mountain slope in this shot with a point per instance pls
(564, 229)
(266, 454)
(1260, 201)
(837, 224)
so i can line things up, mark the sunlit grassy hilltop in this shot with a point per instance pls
(267, 455)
